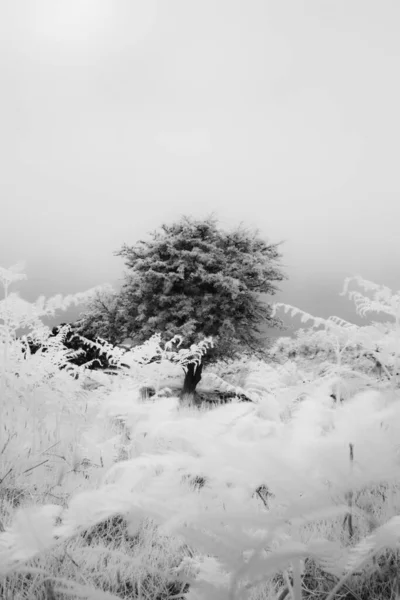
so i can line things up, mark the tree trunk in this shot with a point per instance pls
(192, 378)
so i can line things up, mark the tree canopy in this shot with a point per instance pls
(193, 279)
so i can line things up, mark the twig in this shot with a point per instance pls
(8, 472)
(349, 516)
(49, 448)
(35, 466)
(10, 437)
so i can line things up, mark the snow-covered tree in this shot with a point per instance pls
(194, 280)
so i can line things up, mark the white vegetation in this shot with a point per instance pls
(72, 457)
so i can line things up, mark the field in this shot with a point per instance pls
(106, 493)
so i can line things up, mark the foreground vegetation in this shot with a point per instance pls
(106, 493)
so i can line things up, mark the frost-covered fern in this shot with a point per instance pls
(379, 342)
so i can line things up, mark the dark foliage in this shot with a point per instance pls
(194, 280)
(84, 352)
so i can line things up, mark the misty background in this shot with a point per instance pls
(119, 115)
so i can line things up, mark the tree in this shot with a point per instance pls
(103, 317)
(195, 280)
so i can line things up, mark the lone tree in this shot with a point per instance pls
(195, 280)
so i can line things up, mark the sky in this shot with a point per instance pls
(119, 115)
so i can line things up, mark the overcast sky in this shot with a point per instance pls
(119, 115)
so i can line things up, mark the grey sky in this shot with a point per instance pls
(118, 115)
